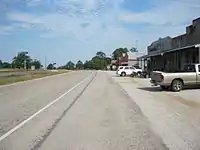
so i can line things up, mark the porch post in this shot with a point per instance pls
(199, 54)
(198, 46)
(141, 65)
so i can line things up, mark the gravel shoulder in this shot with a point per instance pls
(173, 116)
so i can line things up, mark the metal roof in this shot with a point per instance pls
(156, 53)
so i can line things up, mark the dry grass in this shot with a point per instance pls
(17, 78)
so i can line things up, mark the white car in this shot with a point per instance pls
(137, 70)
(125, 70)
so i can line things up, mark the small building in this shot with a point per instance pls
(32, 67)
(130, 59)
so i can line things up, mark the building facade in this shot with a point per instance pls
(170, 54)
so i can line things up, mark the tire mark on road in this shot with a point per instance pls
(45, 136)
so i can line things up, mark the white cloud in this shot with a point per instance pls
(23, 17)
(6, 30)
(104, 18)
(62, 24)
(166, 12)
(166, 18)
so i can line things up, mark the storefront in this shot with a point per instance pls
(173, 60)
(176, 59)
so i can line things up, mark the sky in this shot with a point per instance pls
(63, 30)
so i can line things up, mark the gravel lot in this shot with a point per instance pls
(175, 117)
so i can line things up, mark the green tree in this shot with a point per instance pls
(70, 65)
(96, 63)
(88, 65)
(133, 49)
(51, 66)
(6, 65)
(101, 54)
(36, 63)
(22, 60)
(108, 60)
(119, 52)
(1, 63)
(79, 65)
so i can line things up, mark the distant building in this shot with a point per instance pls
(130, 59)
(32, 67)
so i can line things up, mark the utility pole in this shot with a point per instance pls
(25, 61)
(45, 62)
(136, 45)
(198, 47)
(25, 64)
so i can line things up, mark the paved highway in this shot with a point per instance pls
(79, 110)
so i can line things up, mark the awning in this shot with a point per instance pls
(143, 57)
(173, 50)
(177, 49)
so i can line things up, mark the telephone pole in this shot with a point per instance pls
(136, 45)
(45, 62)
(25, 64)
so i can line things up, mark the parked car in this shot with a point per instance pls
(125, 70)
(190, 75)
(137, 70)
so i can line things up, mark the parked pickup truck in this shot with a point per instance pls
(190, 75)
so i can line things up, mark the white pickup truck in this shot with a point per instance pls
(190, 75)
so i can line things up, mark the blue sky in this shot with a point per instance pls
(64, 30)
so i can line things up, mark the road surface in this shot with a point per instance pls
(80, 110)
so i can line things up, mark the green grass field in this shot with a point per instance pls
(29, 76)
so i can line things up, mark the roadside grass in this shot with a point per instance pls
(17, 78)
(8, 70)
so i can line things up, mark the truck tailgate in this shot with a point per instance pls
(156, 76)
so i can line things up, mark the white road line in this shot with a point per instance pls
(40, 111)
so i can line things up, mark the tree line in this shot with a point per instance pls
(98, 62)
(22, 60)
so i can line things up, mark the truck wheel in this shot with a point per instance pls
(177, 85)
(164, 87)
(123, 74)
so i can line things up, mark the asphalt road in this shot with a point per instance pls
(80, 110)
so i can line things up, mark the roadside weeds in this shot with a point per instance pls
(18, 78)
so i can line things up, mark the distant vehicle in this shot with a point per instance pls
(190, 75)
(125, 70)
